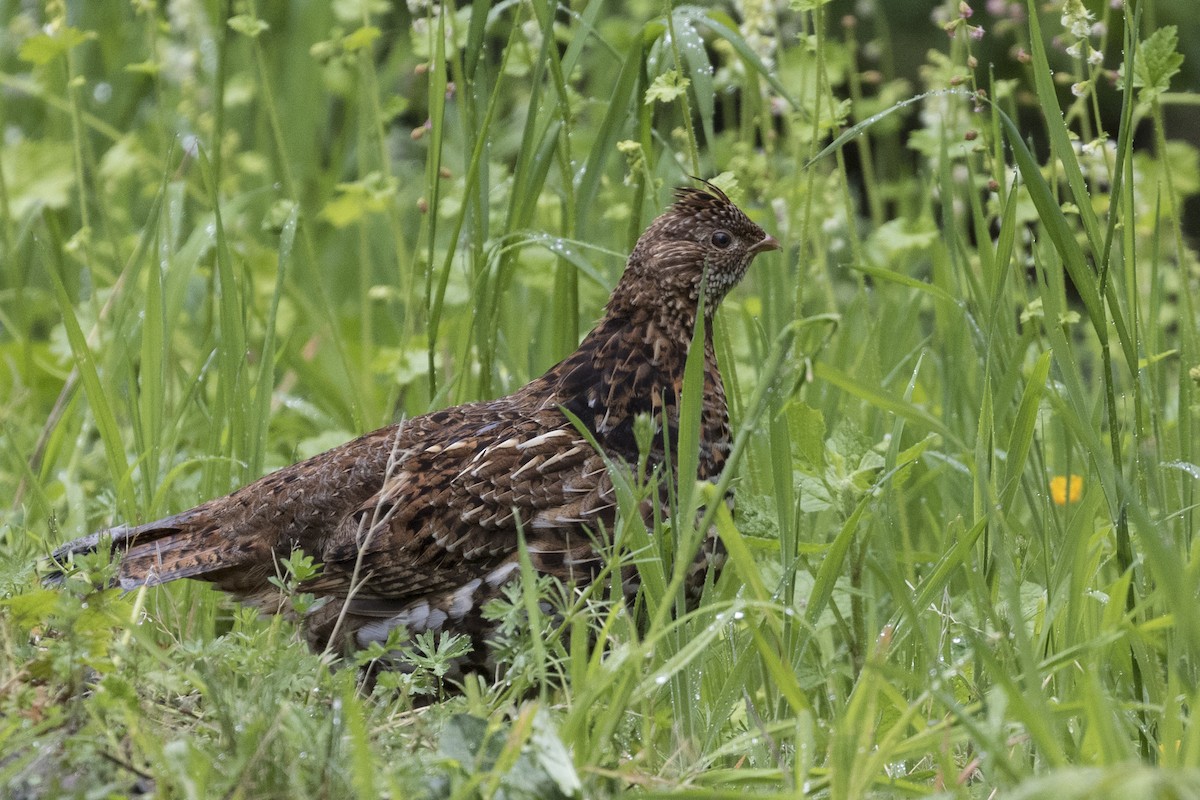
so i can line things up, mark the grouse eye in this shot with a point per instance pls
(722, 239)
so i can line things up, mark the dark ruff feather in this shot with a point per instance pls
(416, 523)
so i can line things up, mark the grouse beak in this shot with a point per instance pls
(767, 243)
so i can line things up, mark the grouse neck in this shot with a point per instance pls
(672, 318)
(629, 366)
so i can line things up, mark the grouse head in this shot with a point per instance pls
(702, 240)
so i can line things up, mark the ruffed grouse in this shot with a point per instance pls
(416, 524)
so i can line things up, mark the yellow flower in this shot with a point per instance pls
(1066, 489)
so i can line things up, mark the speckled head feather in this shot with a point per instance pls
(694, 201)
(702, 238)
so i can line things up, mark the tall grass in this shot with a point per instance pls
(961, 560)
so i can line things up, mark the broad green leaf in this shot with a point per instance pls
(1158, 60)
(666, 88)
(43, 48)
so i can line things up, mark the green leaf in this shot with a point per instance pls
(807, 426)
(1021, 436)
(39, 175)
(667, 87)
(898, 237)
(45, 47)
(876, 397)
(361, 39)
(691, 46)
(462, 738)
(33, 606)
(98, 396)
(891, 276)
(248, 25)
(370, 195)
(552, 756)
(1157, 61)
(831, 568)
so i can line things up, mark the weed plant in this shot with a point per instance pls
(963, 558)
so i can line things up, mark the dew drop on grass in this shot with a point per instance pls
(103, 92)
(1184, 466)
(660, 680)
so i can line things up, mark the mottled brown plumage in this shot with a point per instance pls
(416, 524)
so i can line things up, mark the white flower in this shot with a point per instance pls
(1076, 18)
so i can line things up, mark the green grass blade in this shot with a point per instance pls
(93, 387)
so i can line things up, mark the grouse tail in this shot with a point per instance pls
(179, 546)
